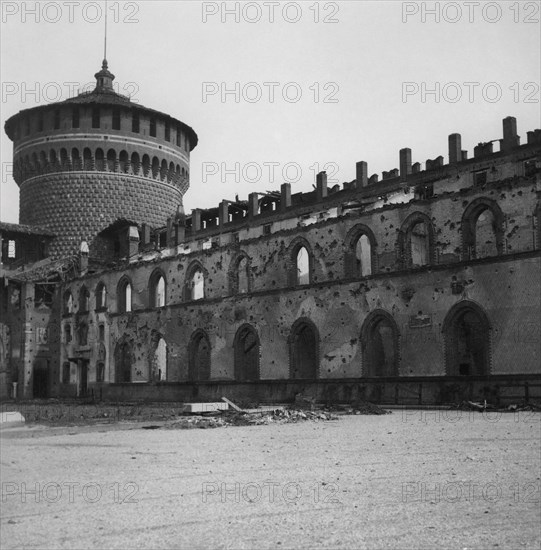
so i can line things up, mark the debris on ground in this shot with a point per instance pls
(302, 402)
(68, 413)
(360, 407)
(276, 416)
(365, 407)
(481, 407)
(231, 404)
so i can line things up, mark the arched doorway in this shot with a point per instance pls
(199, 356)
(246, 354)
(466, 332)
(303, 350)
(379, 338)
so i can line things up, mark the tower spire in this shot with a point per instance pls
(105, 37)
(104, 78)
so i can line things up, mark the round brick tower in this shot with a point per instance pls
(85, 162)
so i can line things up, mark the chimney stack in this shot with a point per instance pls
(362, 174)
(223, 212)
(405, 163)
(285, 199)
(455, 148)
(510, 138)
(196, 220)
(321, 185)
(253, 205)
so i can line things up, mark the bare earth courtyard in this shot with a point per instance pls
(413, 479)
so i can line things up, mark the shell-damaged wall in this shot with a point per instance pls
(511, 300)
(505, 286)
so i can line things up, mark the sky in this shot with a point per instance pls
(278, 91)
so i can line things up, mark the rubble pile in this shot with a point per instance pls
(236, 418)
(360, 407)
(278, 416)
(365, 407)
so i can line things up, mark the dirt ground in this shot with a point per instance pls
(412, 479)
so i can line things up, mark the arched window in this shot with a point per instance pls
(146, 165)
(84, 300)
(159, 361)
(466, 331)
(485, 235)
(303, 350)
(302, 265)
(155, 167)
(300, 262)
(482, 229)
(135, 163)
(416, 241)
(68, 303)
(239, 275)
(111, 160)
(419, 245)
(360, 248)
(246, 346)
(198, 285)
(363, 256)
(124, 162)
(199, 356)
(194, 288)
(157, 290)
(379, 341)
(243, 278)
(101, 296)
(124, 296)
(163, 170)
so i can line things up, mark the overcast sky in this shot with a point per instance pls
(349, 80)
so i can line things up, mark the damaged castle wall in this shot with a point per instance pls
(472, 303)
(425, 276)
(29, 350)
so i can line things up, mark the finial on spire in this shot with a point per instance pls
(104, 78)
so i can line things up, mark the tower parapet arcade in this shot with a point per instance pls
(87, 161)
